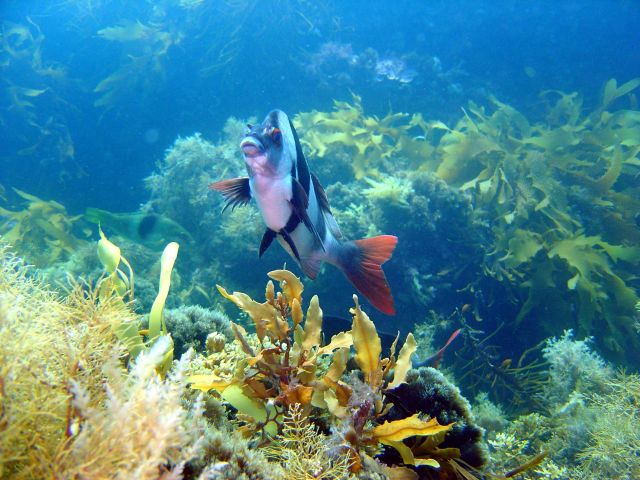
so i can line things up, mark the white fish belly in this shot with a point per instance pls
(273, 199)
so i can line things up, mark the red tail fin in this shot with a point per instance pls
(365, 271)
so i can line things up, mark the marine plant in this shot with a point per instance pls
(64, 390)
(43, 231)
(119, 285)
(560, 199)
(372, 143)
(613, 435)
(288, 371)
(146, 47)
(302, 451)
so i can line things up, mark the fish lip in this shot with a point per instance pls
(251, 146)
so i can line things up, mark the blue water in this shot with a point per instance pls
(212, 60)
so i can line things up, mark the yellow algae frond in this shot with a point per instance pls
(43, 231)
(367, 345)
(542, 185)
(288, 371)
(126, 31)
(371, 142)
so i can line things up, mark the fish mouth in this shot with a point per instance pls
(251, 147)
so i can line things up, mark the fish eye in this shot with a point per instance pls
(276, 135)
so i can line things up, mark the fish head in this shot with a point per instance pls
(269, 148)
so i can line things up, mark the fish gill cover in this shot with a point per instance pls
(498, 141)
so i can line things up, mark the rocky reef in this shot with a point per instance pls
(78, 378)
(518, 234)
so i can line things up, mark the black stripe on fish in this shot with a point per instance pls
(301, 171)
(301, 187)
(300, 205)
(323, 203)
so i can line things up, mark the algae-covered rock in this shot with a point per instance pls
(191, 324)
(429, 393)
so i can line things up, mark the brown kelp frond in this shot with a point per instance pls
(372, 142)
(542, 187)
(291, 375)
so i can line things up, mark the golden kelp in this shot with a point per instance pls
(560, 195)
(561, 199)
(43, 231)
(371, 142)
(146, 47)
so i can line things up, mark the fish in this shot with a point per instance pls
(140, 226)
(296, 211)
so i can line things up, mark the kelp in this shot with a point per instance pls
(292, 371)
(560, 196)
(43, 231)
(147, 47)
(370, 142)
(545, 187)
(116, 284)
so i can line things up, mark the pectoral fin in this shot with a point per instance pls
(300, 205)
(267, 238)
(236, 191)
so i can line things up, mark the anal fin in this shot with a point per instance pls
(267, 238)
(287, 238)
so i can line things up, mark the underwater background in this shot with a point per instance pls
(498, 140)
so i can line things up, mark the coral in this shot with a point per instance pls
(190, 324)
